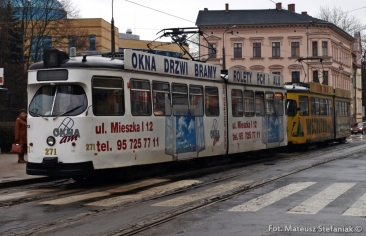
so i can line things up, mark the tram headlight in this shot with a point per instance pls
(51, 141)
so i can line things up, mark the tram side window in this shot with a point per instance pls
(347, 109)
(338, 108)
(180, 99)
(278, 100)
(259, 103)
(212, 107)
(330, 107)
(343, 109)
(314, 106)
(108, 96)
(237, 102)
(269, 104)
(140, 97)
(249, 103)
(196, 100)
(304, 106)
(161, 98)
(323, 107)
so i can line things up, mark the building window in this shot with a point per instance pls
(212, 50)
(315, 48)
(325, 77)
(92, 42)
(256, 49)
(276, 73)
(295, 76)
(237, 50)
(276, 49)
(325, 48)
(315, 76)
(295, 49)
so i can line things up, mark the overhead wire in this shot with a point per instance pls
(160, 11)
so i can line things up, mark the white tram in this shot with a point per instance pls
(91, 113)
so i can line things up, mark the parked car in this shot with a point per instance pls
(358, 128)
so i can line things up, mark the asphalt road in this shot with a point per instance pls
(317, 192)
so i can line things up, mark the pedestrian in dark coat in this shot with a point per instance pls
(20, 129)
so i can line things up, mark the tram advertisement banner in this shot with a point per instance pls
(148, 62)
(255, 78)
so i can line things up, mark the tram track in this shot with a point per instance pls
(173, 176)
(79, 187)
(169, 215)
(172, 214)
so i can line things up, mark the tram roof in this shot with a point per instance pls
(90, 62)
(297, 87)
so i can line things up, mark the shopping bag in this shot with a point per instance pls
(16, 148)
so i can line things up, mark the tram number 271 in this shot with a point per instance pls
(137, 143)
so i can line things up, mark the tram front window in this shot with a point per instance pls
(56, 100)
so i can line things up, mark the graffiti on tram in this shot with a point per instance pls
(343, 125)
(319, 126)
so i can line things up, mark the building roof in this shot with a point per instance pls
(250, 17)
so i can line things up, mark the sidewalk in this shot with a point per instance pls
(12, 171)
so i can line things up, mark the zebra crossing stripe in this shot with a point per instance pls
(314, 204)
(358, 208)
(144, 194)
(76, 198)
(23, 194)
(272, 197)
(207, 193)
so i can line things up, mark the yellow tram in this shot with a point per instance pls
(317, 113)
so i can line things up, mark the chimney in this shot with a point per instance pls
(291, 7)
(226, 6)
(304, 13)
(278, 6)
(206, 9)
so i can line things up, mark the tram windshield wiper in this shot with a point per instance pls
(36, 114)
(66, 112)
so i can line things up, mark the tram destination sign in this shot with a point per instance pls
(154, 63)
(254, 78)
(321, 88)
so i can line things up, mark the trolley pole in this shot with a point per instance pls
(223, 47)
(112, 33)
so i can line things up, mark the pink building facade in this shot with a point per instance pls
(299, 47)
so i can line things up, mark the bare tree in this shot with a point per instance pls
(80, 39)
(45, 23)
(342, 19)
(194, 46)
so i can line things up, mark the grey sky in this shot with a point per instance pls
(146, 22)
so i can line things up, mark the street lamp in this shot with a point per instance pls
(223, 46)
(112, 31)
